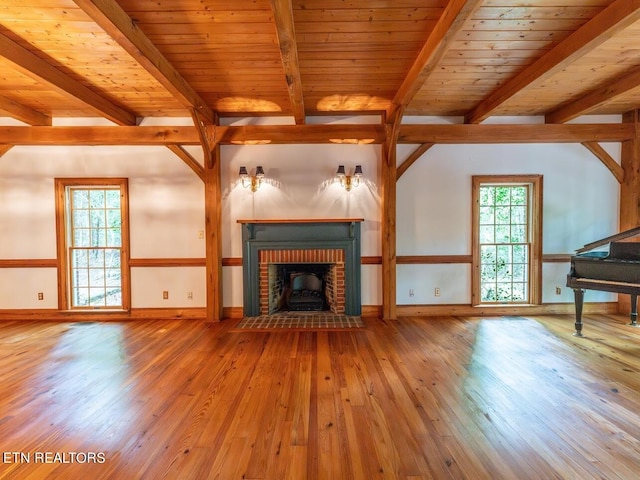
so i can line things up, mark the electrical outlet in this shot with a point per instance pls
(436, 292)
(558, 290)
(165, 294)
(190, 295)
(40, 295)
(411, 292)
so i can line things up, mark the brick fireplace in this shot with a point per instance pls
(330, 261)
(327, 249)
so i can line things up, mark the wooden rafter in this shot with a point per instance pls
(23, 113)
(119, 26)
(617, 16)
(442, 36)
(614, 167)
(285, 29)
(37, 68)
(411, 159)
(605, 93)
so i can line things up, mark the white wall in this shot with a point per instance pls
(167, 211)
(580, 205)
(300, 184)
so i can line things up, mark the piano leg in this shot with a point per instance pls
(634, 311)
(578, 294)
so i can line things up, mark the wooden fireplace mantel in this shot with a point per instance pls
(302, 220)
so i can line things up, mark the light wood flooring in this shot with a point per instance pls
(431, 398)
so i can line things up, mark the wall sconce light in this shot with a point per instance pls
(349, 181)
(253, 181)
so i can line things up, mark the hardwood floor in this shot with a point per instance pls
(431, 398)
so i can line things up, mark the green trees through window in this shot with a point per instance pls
(506, 239)
(504, 243)
(94, 250)
(93, 243)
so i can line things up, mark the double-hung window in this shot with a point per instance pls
(93, 243)
(506, 239)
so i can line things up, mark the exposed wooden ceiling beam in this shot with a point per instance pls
(123, 29)
(38, 69)
(600, 28)
(302, 134)
(23, 113)
(309, 134)
(539, 133)
(124, 135)
(285, 29)
(188, 135)
(442, 36)
(600, 96)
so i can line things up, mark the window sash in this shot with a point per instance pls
(96, 283)
(93, 243)
(506, 221)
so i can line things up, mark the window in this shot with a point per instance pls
(93, 243)
(506, 239)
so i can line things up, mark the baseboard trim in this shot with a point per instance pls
(367, 311)
(77, 316)
(487, 311)
(232, 312)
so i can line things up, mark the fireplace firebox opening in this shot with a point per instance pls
(298, 287)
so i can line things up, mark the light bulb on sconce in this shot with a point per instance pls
(349, 181)
(251, 181)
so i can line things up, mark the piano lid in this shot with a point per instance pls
(613, 238)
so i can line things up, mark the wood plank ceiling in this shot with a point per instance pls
(129, 59)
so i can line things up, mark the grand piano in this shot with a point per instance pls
(617, 271)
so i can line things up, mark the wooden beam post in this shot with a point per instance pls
(212, 213)
(213, 234)
(388, 176)
(630, 189)
(389, 179)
